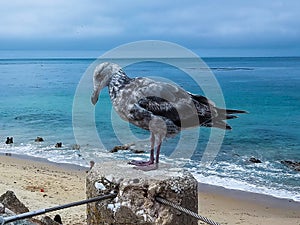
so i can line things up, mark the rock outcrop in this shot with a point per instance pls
(39, 139)
(254, 160)
(136, 191)
(46, 220)
(131, 147)
(10, 205)
(292, 164)
(9, 200)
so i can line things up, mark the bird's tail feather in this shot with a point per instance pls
(217, 115)
(234, 111)
(223, 114)
(226, 114)
(230, 111)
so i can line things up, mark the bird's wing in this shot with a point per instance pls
(160, 107)
(184, 109)
(167, 100)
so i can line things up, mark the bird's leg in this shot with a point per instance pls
(157, 152)
(152, 141)
(151, 160)
(150, 165)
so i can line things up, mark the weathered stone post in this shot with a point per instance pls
(136, 190)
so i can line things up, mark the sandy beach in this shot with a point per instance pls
(62, 184)
(238, 207)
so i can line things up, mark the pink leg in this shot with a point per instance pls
(151, 160)
(152, 166)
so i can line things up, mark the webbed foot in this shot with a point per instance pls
(147, 168)
(140, 163)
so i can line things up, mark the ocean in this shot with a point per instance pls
(37, 97)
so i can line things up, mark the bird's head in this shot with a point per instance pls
(102, 76)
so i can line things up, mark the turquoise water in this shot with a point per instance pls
(36, 97)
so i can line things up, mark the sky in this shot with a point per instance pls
(211, 27)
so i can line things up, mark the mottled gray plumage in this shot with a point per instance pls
(160, 107)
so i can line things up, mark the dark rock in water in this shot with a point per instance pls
(292, 164)
(254, 160)
(9, 140)
(137, 151)
(39, 139)
(58, 145)
(120, 147)
(9, 200)
(126, 147)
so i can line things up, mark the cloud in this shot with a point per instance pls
(193, 23)
(51, 18)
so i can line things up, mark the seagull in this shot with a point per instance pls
(162, 108)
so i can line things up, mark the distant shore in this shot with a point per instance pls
(64, 183)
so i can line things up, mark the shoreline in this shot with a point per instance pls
(64, 183)
(234, 193)
(70, 166)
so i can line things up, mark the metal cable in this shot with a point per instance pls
(4, 220)
(187, 211)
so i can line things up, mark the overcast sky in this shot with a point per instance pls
(262, 27)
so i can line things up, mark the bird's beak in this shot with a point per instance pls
(95, 97)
